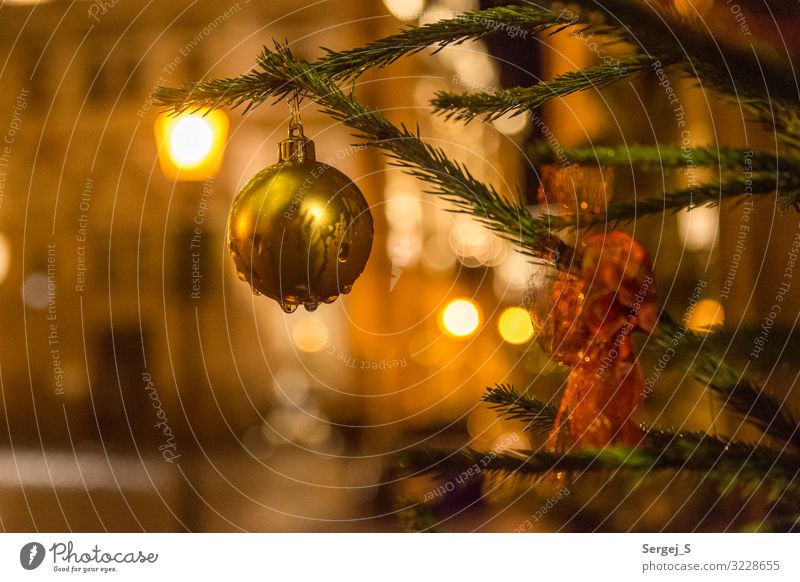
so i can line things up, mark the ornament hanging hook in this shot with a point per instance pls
(295, 124)
(295, 147)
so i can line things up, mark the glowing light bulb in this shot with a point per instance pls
(190, 141)
(191, 145)
(515, 326)
(460, 318)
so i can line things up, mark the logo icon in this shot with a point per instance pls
(31, 555)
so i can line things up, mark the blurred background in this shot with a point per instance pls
(144, 387)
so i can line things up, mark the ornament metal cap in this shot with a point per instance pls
(296, 148)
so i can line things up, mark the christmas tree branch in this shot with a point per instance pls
(738, 73)
(539, 416)
(514, 21)
(283, 75)
(717, 460)
(737, 392)
(659, 156)
(763, 88)
(255, 87)
(465, 106)
(701, 195)
(451, 180)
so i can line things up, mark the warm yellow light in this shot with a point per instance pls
(515, 325)
(310, 335)
(510, 124)
(190, 141)
(460, 318)
(191, 145)
(511, 441)
(699, 227)
(475, 245)
(5, 257)
(316, 211)
(706, 313)
(405, 9)
(483, 424)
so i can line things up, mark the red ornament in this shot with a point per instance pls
(594, 313)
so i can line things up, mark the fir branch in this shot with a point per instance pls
(516, 21)
(790, 201)
(737, 392)
(539, 416)
(659, 156)
(701, 195)
(465, 106)
(255, 87)
(738, 73)
(717, 460)
(450, 180)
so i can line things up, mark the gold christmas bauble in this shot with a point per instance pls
(300, 231)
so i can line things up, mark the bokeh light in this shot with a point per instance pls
(190, 141)
(34, 290)
(510, 124)
(460, 318)
(699, 227)
(404, 9)
(515, 326)
(309, 334)
(706, 313)
(5, 257)
(191, 145)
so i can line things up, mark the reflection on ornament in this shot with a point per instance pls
(300, 231)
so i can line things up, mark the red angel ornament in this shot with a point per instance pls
(588, 315)
(594, 314)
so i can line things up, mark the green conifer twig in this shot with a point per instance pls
(659, 156)
(517, 100)
(539, 416)
(255, 87)
(736, 391)
(717, 460)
